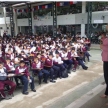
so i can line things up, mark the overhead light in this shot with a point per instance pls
(19, 4)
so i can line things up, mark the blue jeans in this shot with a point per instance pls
(26, 81)
(56, 70)
(69, 63)
(46, 74)
(62, 68)
(86, 54)
(81, 63)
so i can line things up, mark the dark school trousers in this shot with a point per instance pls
(7, 82)
(105, 69)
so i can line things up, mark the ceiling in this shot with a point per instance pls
(16, 3)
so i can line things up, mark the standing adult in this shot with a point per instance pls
(105, 64)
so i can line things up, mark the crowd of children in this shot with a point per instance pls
(44, 56)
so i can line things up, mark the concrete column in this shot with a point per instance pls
(33, 31)
(15, 22)
(5, 26)
(83, 25)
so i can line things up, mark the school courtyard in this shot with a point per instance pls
(79, 90)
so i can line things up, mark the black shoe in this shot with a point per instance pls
(18, 84)
(69, 71)
(45, 81)
(26, 93)
(34, 90)
(60, 77)
(52, 81)
(85, 68)
(55, 79)
(39, 82)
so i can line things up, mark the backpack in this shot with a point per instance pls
(64, 74)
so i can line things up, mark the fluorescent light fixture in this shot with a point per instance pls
(19, 4)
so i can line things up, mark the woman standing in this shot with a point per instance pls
(105, 64)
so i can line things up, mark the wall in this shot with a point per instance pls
(67, 19)
(22, 22)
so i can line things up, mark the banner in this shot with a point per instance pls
(46, 6)
(44, 17)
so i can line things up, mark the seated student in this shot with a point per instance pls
(10, 55)
(39, 56)
(48, 65)
(5, 81)
(24, 56)
(9, 65)
(77, 59)
(66, 59)
(1, 58)
(55, 68)
(43, 54)
(17, 60)
(38, 65)
(59, 63)
(33, 48)
(87, 42)
(22, 70)
(71, 57)
(86, 54)
(26, 51)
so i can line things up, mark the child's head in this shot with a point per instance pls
(57, 54)
(8, 60)
(9, 51)
(73, 50)
(35, 59)
(22, 53)
(1, 65)
(22, 63)
(38, 55)
(50, 56)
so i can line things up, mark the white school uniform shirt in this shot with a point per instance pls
(16, 59)
(16, 47)
(47, 47)
(11, 66)
(63, 55)
(2, 72)
(32, 49)
(12, 56)
(38, 65)
(6, 50)
(26, 51)
(19, 51)
(52, 46)
(59, 60)
(0, 53)
(82, 41)
(49, 39)
(21, 69)
(60, 51)
(73, 54)
(76, 46)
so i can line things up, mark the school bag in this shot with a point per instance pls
(64, 74)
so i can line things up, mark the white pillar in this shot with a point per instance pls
(83, 25)
(5, 26)
(15, 22)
